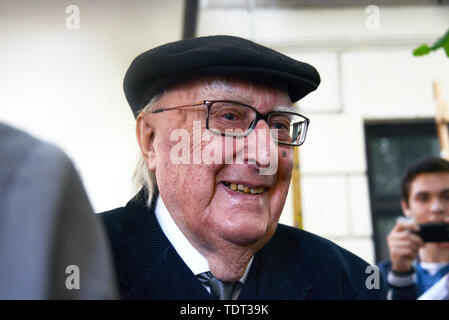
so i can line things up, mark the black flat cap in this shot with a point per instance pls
(154, 70)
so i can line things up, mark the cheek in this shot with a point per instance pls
(284, 174)
(183, 174)
(285, 164)
(419, 212)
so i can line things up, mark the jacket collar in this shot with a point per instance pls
(148, 265)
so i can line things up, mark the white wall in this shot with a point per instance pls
(367, 73)
(65, 85)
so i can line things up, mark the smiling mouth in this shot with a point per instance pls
(243, 188)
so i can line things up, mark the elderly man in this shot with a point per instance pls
(216, 128)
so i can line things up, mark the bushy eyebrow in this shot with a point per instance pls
(222, 90)
(292, 108)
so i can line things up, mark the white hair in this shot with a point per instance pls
(143, 177)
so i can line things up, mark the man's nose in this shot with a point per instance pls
(437, 206)
(259, 145)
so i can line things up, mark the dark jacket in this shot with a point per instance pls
(294, 264)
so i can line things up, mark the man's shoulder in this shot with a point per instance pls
(24, 157)
(112, 221)
(302, 241)
(112, 216)
(317, 253)
(327, 264)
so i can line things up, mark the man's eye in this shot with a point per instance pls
(422, 198)
(230, 116)
(280, 125)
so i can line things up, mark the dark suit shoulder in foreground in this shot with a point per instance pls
(47, 225)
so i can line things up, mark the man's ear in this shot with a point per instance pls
(145, 138)
(405, 208)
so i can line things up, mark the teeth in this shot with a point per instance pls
(245, 189)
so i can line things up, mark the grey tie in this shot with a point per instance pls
(219, 290)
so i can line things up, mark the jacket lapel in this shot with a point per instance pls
(149, 266)
(275, 276)
(168, 279)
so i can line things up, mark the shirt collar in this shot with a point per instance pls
(196, 262)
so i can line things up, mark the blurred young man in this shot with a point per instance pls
(415, 266)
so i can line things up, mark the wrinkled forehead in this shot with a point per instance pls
(260, 94)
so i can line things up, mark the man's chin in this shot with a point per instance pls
(243, 241)
(247, 236)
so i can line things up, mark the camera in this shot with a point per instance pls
(434, 232)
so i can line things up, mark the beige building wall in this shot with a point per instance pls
(364, 56)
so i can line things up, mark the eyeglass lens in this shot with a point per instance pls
(238, 120)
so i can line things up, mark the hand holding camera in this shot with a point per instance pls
(407, 237)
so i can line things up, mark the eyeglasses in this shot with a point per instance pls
(235, 119)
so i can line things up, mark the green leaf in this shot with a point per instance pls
(446, 48)
(421, 50)
(441, 42)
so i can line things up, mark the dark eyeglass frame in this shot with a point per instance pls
(259, 116)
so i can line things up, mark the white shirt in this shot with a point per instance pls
(433, 267)
(196, 262)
